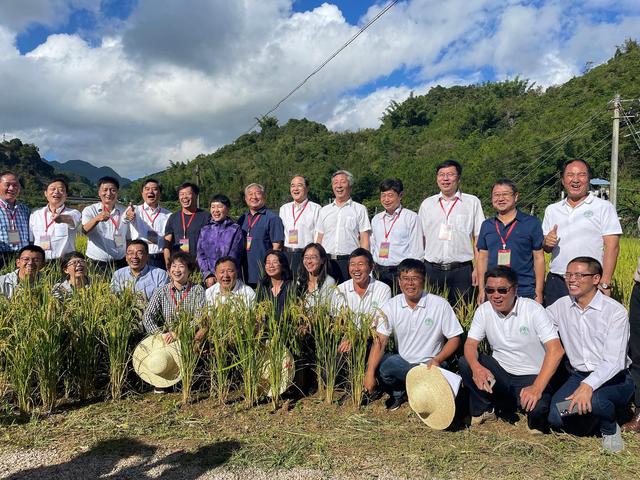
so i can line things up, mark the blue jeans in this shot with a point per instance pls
(613, 394)
(506, 392)
(392, 374)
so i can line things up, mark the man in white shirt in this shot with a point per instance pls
(299, 218)
(425, 329)
(343, 225)
(54, 226)
(526, 352)
(148, 222)
(395, 233)
(579, 225)
(594, 330)
(229, 286)
(451, 223)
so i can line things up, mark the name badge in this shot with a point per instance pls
(184, 244)
(14, 237)
(504, 258)
(117, 237)
(446, 232)
(152, 237)
(383, 251)
(249, 238)
(293, 236)
(45, 242)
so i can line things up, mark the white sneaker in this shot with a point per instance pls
(613, 443)
(486, 417)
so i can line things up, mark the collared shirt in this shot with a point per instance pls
(146, 282)
(580, 229)
(375, 296)
(264, 231)
(461, 218)
(596, 338)
(525, 238)
(149, 225)
(341, 226)
(9, 284)
(321, 296)
(62, 237)
(517, 339)
(242, 292)
(175, 228)
(64, 290)
(299, 221)
(217, 240)
(13, 218)
(420, 332)
(101, 244)
(402, 231)
(162, 306)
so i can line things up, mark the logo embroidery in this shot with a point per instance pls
(588, 214)
(428, 322)
(524, 330)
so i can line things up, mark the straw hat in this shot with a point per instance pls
(431, 396)
(156, 362)
(288, 373)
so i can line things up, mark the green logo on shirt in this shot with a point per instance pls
(428, 322)
(588, 214)
(524, 330)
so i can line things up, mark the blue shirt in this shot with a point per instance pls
(266, 231)
(149, 279)
(20, 222)
(525, 237)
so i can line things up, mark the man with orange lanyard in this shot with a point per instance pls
(396, 234)
(14, 219)
(106, 227)
(263, 231)
(450, 223)
(512, 239)
(183, 227)
(299, 218)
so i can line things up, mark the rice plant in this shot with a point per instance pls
(327, 333)
(190, 348)
(218, 321)
(358, 329)
(248, 336)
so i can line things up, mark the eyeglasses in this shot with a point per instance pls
(577, 276)
(136, 254)
(75, 263)
(500, 290)
(311, 257)
(502, 195)
(447, 175)
(30, 260)
(411, 279)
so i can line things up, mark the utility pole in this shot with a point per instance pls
(199, 184)
(614, 152)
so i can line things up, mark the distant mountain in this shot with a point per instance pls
(85, 169)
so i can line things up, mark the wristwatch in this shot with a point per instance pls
(604, 286)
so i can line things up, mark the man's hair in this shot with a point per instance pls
(362, 252)
(347, 174)
(254, 185)
(67, 257)
(194, 188)
(108, 179)
(507, 183)
(306, 180)
(450, 163)
(409, 264)
(226, 258)
(32, 248)
(139, 241)
(220, 198)
(502, 271)
(9, 172)
(62, 181)
(185, 258)
(394, 184)
(152, 180)
(593, 265)
(569, 162)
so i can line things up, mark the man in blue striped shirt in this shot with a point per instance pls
(14, 218)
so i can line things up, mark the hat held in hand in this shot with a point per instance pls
(431, 396)
(156, 362)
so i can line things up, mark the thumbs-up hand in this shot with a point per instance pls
(130, 214)
(551, 240)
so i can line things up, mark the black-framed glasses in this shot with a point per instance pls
(500, 290)
(578, 275)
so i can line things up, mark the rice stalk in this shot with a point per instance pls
(327, 334)
(358, 330)
(218, 356)
(248, 334)
(190, 351)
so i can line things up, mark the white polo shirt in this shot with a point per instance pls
(101, 244)
(62, 237)
(403, 233)
(376, 295)
(243, 292)
(517, 339)
(596, 338)
(148, 225)
(420, 332)
(341, 226)
(448, 227)
(580, 229)
(299, 222)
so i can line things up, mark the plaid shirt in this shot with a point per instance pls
(162, 305)
(20, 222)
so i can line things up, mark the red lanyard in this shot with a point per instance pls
(12, 218)
(504, 239)
(48, 223)
(115, 224)
(446, 214)
(184, 295)
(293, 212)
(152, 220)
(250, 224)
(186, 227)
(384, 221)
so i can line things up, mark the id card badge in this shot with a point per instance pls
(14, 237)
(445, 232)
(152, 237)
(117, 237)
(293, 236)
(249, 238)
(383, 252)
(45, 242)
(504, 258)
(184, 244)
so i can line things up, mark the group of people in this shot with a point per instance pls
(555, 363)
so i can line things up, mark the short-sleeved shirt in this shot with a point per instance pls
(242, 292)
(580, 229)
(517, 339)
(299, 222)
(376, 295)
(102, 245)
(176, 228)
(525, 238)
(56, 238)
(264, 231)
(463, 216)
(420, 332)
(146, 282)
(13, 218)
(149, 225)
(401, 231)
(341, 226)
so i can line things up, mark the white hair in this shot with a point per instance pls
(349, 176)
(252, 185)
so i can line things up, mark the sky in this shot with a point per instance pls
(137, 84)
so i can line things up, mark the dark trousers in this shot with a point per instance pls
(339, 269)
(457, 282)
(295, 262)
(634, 340)
(388, 275)
(392, 374)
(157, 260)
(554, 288)
(613, 394)
(106, 269)
(506, 392)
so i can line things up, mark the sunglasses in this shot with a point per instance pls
(500, 290)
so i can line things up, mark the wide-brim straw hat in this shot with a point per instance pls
(288, 374)
(431, 396)
(157, 363)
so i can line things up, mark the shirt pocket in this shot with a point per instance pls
(461, 223)
(350, 223)
(60, 230)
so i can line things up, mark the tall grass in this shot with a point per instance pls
(248, 336)
(327, 333)
(190, 351)
(358, 329)
(219, 337)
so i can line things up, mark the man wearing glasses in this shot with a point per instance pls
(525, 354)
(579, 225)
(450, 223)
(29, 262)
(138, 274)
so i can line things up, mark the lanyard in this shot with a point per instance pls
(293, 212)
(115, 224)
(384, 221)
(184, 295)
(48, 223)
(12, 218)
(185, 227)
(446, 214)
(152, 220)
(505, 238)
(251, 224)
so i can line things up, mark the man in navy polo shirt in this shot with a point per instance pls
(512, 239)
(263, 231)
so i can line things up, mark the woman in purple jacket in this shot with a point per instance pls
(220, 237)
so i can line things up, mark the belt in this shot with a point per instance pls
(445, 267)
(386, 267)
(337, 257)
(293, 250)
(156, 255)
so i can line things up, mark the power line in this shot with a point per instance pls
(321, 66)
